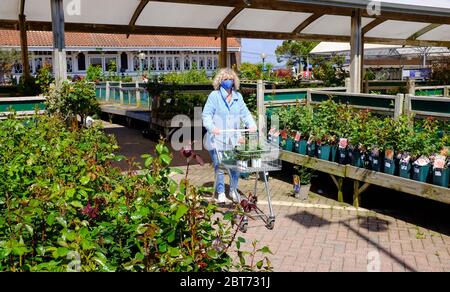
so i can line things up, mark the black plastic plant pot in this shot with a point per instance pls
(355, 158)
(323, 152)
(420, 173)
(376, 162)
(311, 148)
(301, 146)
(342, 156)
(288, 144)
(441, 176)
(389, 166)
(334, 153)
(405, 170)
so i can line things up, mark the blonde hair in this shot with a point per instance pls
(226, 73)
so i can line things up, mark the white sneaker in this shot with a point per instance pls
(235, 196)
(221, 198)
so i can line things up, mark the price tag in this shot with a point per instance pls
(404, 167)
(416, 170)
(297, 136)
(387, 164)
(437, 173)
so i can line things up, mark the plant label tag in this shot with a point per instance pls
(342, 155)
(387, 164)
(319, 151)
(375, 161)
(297, 137)
(437, 173)
(404, 167)
(416, 170)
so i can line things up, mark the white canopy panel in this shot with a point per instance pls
(333, 47)
(394, 29)
(333, 25)
(100, 11)
(37, 10)
(9, 10)
(182, 15)
(276, 19)
(441, 33)
(268, 20)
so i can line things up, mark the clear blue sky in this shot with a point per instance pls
(252, 49)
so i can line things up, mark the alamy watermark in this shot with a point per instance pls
(74, 8)
(374, 8)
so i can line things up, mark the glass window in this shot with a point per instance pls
(152, 64)
(176, 65)
(187, 63)
(69, 65)
(81, 62)
(161, 65)
(169, 61)
(111, 64)
(96, 62)
(209, 63)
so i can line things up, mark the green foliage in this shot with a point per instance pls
(253, 72)
(305, 174)
(7, 59)
(187, 77)
(441, 72)
(328, 121)
(44, 78)
(94, 73)
(63, 207)
(180, 103)
(72, 99)
(294, 52)
(331, 72)
(28, 87)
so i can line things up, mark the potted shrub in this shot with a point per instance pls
(342, 151)
(303, 125)
(405, 164)
(241, 160)
(302, 182)
(421, 169)
(441, 170)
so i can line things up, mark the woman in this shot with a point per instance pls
(225, 110)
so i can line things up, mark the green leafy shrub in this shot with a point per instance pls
(187, 77)
(63, 207)
(94, 73)
(72, 99)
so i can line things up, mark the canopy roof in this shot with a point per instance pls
(325, 48)
(404, 22)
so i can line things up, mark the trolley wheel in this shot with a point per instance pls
(270, 224)
(243, 227)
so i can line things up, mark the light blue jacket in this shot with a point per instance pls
(218, 113)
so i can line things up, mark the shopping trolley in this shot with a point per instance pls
(252, 157)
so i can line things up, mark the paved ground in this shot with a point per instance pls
(320, 234)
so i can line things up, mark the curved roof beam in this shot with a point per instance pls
(373, 24)
(307, 22)
(424, 31)
(231, 16)
(137, 13)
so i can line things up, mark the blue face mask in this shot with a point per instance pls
(227, 84)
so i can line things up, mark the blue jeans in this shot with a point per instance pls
(220, 183)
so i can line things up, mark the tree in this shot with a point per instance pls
(331, 72)
(7, 60)
(294, 52)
